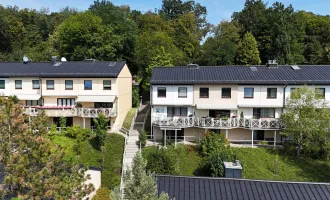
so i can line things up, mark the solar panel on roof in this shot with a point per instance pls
(253, 69)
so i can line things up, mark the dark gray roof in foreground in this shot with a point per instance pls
(64, 69)
(241, 75)
(195, 188)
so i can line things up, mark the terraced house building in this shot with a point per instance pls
(242, 102)
(78, 91)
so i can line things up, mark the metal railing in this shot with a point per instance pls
(123, 171)
(183, 122)
(71, 111)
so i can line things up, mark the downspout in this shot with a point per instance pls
(284, 89)
(40, 85)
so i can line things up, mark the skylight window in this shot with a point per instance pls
(253, 69)
(295, 67)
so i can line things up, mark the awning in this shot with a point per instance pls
(260, 106)
(28, 96)
(99, 98)
(216, 107)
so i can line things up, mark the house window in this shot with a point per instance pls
(2, 84)
(271, 93)
(106, 85)
(161, 92)
(248, 93)
(320, 92)
(203, 92)
(177, 111)
(263, 113)
(32, 103)
(88, 84)
(69, 84)
(18, 84)
(226, 93)
(35, 84)
(103, 105)
(50, 84)
(182, 92)
(65, 102)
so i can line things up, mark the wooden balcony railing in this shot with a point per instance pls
(71, 111)
(184, 122)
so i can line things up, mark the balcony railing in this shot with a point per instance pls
(71, 111)
(184, 122)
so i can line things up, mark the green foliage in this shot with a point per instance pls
(306, 120)
(221, 48)
(180, 160)
(211, 142)
(84, 36)
(91, 155)
(80, 135)
(140, 185)
(135, 96)
(101, 128)
(248, 53)
(14, 99)
(143, 138)
(62, 122)
(129, 117)
(102, 193)
(161, 59)
(35, 156)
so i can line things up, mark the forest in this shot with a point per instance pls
(176, 33)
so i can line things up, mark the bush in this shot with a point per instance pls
(216, 158)
(102, 193)
(212, 142)
(143, 138)
(160, 161)
(135, 96)
(80, 135)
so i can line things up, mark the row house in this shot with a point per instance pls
(78, 91)
(242, 102)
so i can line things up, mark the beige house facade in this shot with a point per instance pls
(244, 103)
(78, 91)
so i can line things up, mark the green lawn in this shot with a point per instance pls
(128, 118)
(92, 156)
(258, 163)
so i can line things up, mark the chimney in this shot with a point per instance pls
(54, 59)
(272, 63)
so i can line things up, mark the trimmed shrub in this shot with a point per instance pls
(143, 138)
(102, 193)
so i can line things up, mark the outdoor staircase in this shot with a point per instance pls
(131, 148)
(132, 140)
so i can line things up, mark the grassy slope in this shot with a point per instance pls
(90, 155)
(128, 118)
(258, 163)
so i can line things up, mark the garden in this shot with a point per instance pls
(97, 149)
(207, 159)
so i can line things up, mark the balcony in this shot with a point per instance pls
(71, 111)
(211, 123)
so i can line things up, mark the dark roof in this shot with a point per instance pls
(241, 75)
(62, 69)
(195, 188)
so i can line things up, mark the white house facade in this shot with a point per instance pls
(242, 102)
(78, 91)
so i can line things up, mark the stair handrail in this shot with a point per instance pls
(121, 187)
